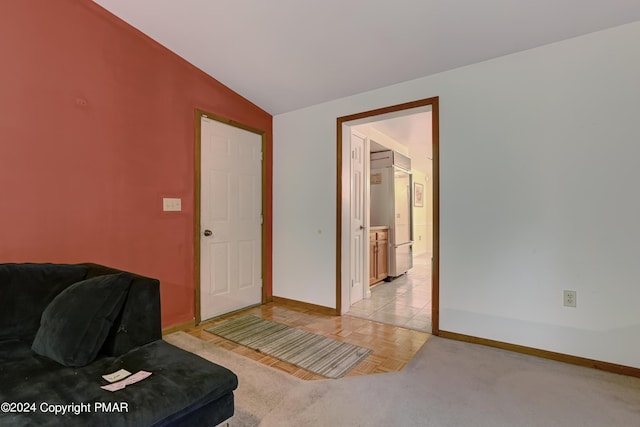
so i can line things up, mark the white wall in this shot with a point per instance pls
(538, 193)
(423, 216)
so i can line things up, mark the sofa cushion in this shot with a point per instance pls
(26, 290)
(76, 323)
(181, 384)
(139, 322)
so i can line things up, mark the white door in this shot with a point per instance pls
(358, 242)
(230, 218)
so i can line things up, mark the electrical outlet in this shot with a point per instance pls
(570, 298)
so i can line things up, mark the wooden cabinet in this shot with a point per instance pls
(378, 249)
(381, 261)
(373, 270)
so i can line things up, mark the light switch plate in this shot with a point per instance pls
(171, 204)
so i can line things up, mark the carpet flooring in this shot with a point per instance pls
(448, 383)
(315, 353)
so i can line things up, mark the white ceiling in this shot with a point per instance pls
(288, 54)
(411, 129)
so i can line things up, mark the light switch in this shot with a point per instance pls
(171, 205)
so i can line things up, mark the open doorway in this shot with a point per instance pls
(402, 269)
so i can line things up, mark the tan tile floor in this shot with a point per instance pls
(405, 301)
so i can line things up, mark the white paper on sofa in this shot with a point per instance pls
(138, 376)
(117, 375)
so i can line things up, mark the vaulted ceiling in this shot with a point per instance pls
(288, 54)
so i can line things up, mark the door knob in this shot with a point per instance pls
(208, 233)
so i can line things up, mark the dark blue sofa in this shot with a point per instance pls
(62, 327)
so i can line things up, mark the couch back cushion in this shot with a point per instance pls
(26, 290)
(139, 322)
(75, 325)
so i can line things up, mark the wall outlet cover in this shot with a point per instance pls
(570, 298)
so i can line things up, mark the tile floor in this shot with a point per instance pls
(406, 301)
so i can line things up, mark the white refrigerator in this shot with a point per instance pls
(391, 201)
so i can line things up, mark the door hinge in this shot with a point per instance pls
(261, 219)
(261, 156)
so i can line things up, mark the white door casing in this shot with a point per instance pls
(230, 218)
(359, 244)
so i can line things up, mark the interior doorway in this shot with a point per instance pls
(407, 291)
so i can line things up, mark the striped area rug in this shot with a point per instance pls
(320, 355)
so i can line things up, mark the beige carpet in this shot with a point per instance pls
(260, 388)
(448, 383)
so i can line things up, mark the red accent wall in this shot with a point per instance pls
(96, 127)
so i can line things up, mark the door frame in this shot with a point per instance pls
(435, 142)
(266, 213)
